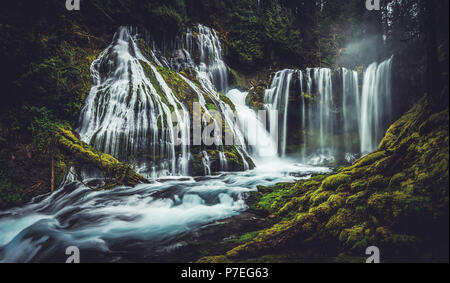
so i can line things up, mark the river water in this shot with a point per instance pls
(137, 224)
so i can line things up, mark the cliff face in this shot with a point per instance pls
(395, 198)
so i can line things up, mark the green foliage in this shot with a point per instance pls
(43, 128)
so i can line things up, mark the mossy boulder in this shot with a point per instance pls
(395, 198)
(83, 154)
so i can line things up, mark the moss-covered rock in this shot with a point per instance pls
(83, 154)
(395, 198)
(255, 97)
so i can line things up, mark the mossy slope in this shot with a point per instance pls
(395, 198)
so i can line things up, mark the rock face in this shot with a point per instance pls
(395, 198)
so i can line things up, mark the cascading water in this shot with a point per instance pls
(125, 113)
(131, 110)
(322, 78)
(351, 106)
(376, 106)
(276, 101)
(211, 63)
(314, 115)
(262, 143)
(206, 163)
(332, 120)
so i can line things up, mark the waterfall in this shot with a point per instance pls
(351, 107)
(314, 115)
(259, 140)
(212, 68)
(322, 78)
(206, 163)
(131, 110)
(375, 105)
(223, 161)
(126, 114)
(333, 120)
(212, 74)
(276, 101)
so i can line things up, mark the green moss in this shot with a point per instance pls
(370, 158)
(84, 154)
(151, 75)
(320, 198)
(342, 219)
(211, 106)
(397, 179)
(393, 197)
(273, 201)
(354, 238)
(334, 181)
(358, 185)
(378, 181)
(247, 237)
(359, 198)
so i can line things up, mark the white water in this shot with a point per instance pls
(211, 63)
(317, 116)
(132, 117)
(352, 123)
(122, 110)
(375, 105)
(276, 101)
(136, 224)
(351, 107)
(322, 77)
(262, 143)
(212, 73)
(131, 224)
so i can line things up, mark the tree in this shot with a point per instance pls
(43, 129)
(434, 85)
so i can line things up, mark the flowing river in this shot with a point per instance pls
(146, 223)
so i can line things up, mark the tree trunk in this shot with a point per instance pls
(433, 70)
(53, 174)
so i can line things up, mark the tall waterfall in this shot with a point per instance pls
(212, 74)
(333, 120)
(276, 101)
(211, 63)
(132, 112)
(125, 115)
(322, 78)
(314, 115)
(375, 105)
(351, 107)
